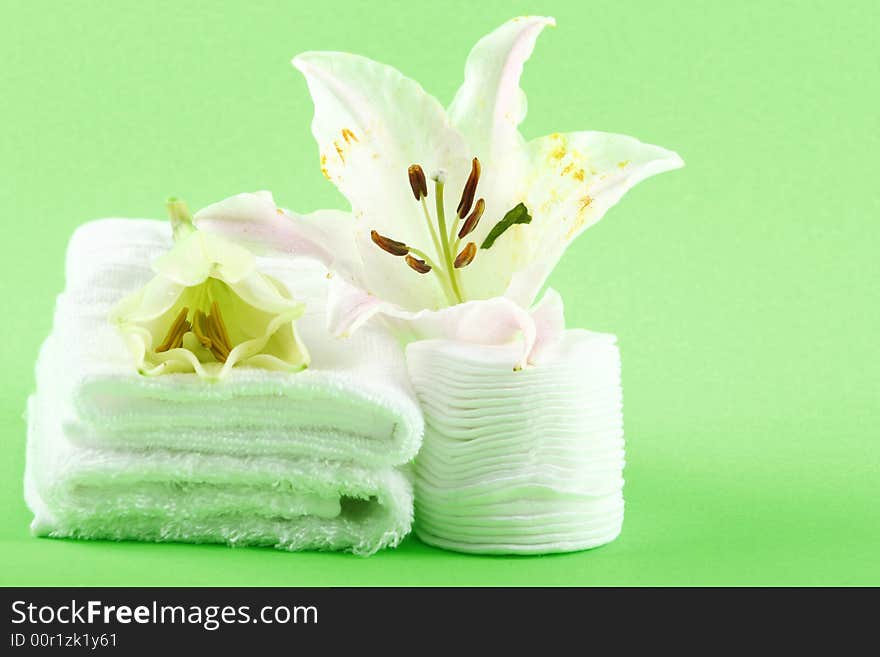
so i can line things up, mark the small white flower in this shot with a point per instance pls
(208, 309)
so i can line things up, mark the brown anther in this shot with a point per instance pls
(473, 219)
(466, 256)
(387, 244)
(178, 327)
(470, 189)
(417, 182)
(419, 265)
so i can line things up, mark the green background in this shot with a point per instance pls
(743, 288)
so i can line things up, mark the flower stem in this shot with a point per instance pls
(181, 219)
(444, 236)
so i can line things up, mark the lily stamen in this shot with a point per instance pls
(200, 331)
(445, 238)
(217, 348)
(210, 331)
(176, 331)
(466, 256)
(417, 182)
(473, 219)
(221, 325)
(418, 265)
(470, 189)
(389, 245)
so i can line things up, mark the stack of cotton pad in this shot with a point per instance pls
(521, 462)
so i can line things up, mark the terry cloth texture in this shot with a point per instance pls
(298, 461)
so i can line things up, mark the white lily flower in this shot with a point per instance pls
(209, 309)
(457, 219)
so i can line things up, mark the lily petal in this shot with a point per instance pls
(371, 123)
(256, 222)
(490, 321)
(199, 255)
(549, 317)
(487, 109)
(574, 179)
(490, 104)
(349, 307)
(577, 177)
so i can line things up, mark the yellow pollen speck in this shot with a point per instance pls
(324, 167)
(339, 151)
(559, 150)
(279, 210)
(567, 169)
(348, 136)
(579, 175)
(579, 220)
(623, 164)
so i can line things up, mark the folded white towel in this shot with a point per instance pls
(519, 462)
(162, 495)
(354, 402)
(296, 461)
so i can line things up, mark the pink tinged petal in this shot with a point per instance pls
(549, 318)
(349, 307)
(488, 322)
(487, 109)
(329, 237)
(254, 221)
(525, 283)
(490, 104)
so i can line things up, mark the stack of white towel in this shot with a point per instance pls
(302, 461)
(524, 461)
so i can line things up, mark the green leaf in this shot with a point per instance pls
(518, 215)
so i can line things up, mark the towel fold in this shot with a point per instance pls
(263, 457)
(163, 495)
(523, 462)
(354, 402)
